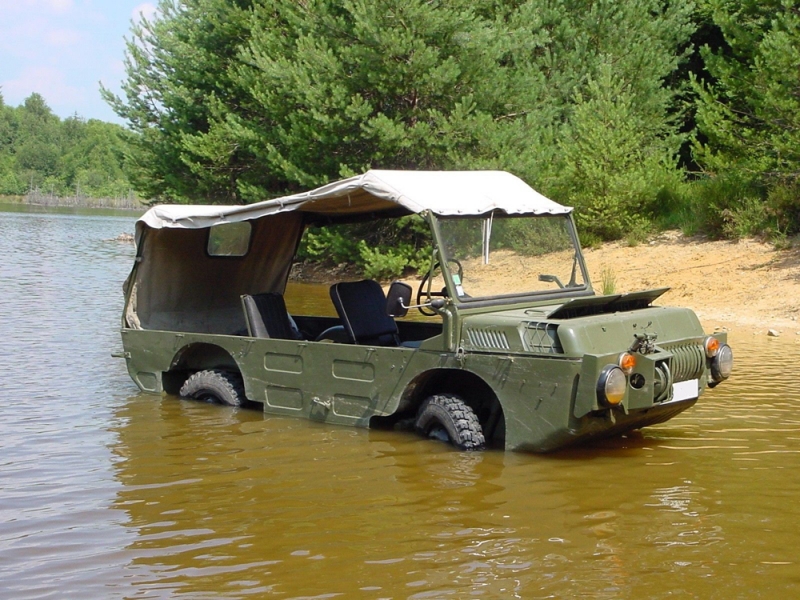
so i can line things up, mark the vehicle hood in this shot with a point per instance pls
(590, 325)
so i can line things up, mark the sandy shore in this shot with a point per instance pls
(745, 285)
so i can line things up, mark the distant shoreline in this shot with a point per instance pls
(35, 198)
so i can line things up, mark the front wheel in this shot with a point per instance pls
(448, 418)
(214, 385)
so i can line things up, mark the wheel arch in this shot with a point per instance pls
(470, 387)
(198, 356)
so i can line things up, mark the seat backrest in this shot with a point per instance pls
(267, 317)
(361, 306)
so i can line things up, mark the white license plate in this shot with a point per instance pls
(684, 390)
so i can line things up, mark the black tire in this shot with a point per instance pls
(447, 417)
(218, 386)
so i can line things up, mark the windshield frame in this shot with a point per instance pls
(585, 289)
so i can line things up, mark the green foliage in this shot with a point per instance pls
(747, 219)
(246, 100)
(749, 114)
(608, 280)
(617, 160)
(380, 249)
(335, 245)
(358, 84)
(179, 75)
(587, 100)
(40, 151)
(639, 232)
(378, 264)
(783, 208)
(531, 237)
(720, 207)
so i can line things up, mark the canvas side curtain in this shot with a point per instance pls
(177, 286)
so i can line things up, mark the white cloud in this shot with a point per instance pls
(47, 81)
(60, 6)
(56, 6)
(63, 37)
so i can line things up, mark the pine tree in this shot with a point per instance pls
(234, 101)
(240, 101)
(179, 66)
(750, 113)
(749, 118)
(608, 85)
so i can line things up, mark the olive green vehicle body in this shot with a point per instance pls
(527, 365)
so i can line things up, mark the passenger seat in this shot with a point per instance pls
(267, 317)
(361, 306)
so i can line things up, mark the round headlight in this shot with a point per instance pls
(611, 385)
(722, 365)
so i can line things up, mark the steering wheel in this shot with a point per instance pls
(427, 294)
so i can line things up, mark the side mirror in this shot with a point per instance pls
(551, 279)
(398, 299)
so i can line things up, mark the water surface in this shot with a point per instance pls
(109, 493)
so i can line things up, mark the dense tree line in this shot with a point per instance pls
(640, 113)
(40, 151)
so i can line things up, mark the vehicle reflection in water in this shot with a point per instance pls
(106, 494)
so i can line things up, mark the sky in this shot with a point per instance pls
(63, 49)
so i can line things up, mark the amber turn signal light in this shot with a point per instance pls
(712, 346)
(627, 362)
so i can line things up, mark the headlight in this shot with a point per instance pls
(722, 365)
(611, 385)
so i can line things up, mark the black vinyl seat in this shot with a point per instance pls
(267, 317)
(361, 306)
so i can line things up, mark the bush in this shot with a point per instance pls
(724, 207)
(386, 263)
(380, 249)
(329, 245)
(783, 208)
(617, 160)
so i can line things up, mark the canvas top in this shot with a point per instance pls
(445, 193)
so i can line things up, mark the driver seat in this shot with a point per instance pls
(361, 306)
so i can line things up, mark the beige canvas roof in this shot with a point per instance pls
(177, 286)
(446, 193)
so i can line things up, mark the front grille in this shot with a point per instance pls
(488, 338)
(687, 362)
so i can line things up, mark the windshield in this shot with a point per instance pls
(498, 256)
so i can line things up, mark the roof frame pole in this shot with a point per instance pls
(487, 236)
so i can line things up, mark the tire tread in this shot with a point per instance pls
(457, 418)
(223, 386)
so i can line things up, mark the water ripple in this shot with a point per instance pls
(105, 492)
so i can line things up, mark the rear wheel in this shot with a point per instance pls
(215, 385)
(448, 418)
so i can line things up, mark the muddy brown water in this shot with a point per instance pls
(109, 493)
